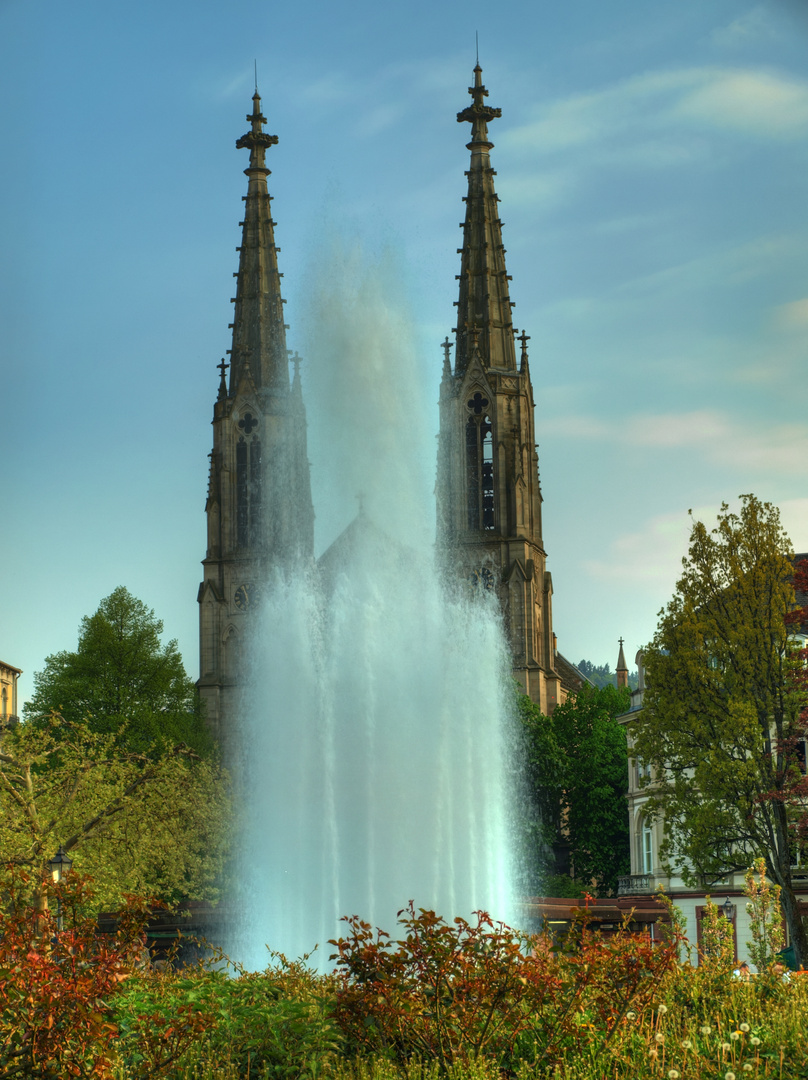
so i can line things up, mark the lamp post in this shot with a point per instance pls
(729, 909)
(59, 867)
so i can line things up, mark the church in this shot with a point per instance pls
(489, 502)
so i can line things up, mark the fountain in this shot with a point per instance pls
(375, 731)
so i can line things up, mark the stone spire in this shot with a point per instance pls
(259, 333)
(622, 667)
(484, 303)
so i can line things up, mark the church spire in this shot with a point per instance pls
(484, 303)
(622, 667)
(259, 333)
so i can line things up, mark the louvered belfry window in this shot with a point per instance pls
(479, 465)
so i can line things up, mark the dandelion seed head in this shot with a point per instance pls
(729, 1076)
(743, 1027)
(686, 1045)
(673, 1074)
(662, 1010)
(706, 1029)
(755, 1041)
(659, 1037)
(735, 1035)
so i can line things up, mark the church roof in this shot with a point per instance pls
(484, 318)
(571, 678)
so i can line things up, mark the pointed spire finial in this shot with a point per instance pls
(255, 64)
(222, 366)
(257, 141)
(446, 345)
(478, 114)
(524, 339)
(296, 358)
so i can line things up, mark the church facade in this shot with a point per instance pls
(489, 502)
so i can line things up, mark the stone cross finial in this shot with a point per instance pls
(524, 338)
(222, 366)
(479, 114)
(446, 345)
(256, 140)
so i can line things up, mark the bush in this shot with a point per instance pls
(274, 1023)
(455, 994)
(55, 986)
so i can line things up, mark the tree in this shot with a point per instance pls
(123, 681)
(136, 824)
(721, 723)
(578, 768)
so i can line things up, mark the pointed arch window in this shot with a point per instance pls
(248, 492)
(479, 464)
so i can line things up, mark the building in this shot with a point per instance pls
(259, 509)
(488, 491)
(647, 870)
(8, 694)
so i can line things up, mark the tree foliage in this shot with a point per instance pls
(722, 717)
(122, 681)
(136, 824)
(577, 770)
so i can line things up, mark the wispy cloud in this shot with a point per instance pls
(652, 107)
(753, 26)
(720, 438)
(650, 553)
(759, 103)
(792, 316)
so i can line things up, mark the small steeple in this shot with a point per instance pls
(297, 386)
(446, 345)
(222, 366)
(259, 333)
(484, 303)
(523, 365)
(622, 667)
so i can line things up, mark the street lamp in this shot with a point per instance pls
(59, 867)
(729, 910)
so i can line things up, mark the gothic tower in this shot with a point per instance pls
(489, 497)
(259, 508)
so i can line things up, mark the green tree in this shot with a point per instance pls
(722, 712)
(577, 767)
(135, 824)
(123, 681)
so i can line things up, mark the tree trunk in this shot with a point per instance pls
(796, 927)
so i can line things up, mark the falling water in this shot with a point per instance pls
(375, 735)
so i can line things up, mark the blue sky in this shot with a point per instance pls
(651, 161)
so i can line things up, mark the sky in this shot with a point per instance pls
(651, 164)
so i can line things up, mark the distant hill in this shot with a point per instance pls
(602, 675)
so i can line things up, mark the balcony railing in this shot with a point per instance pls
(634, 884)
